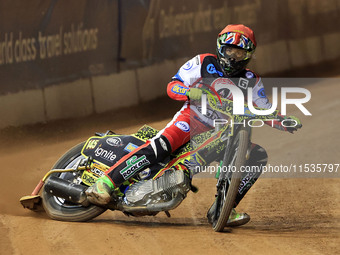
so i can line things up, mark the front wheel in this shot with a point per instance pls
(229, 182)
(59, 209)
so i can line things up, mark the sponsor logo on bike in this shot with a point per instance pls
(91, 144)
(130, 147)
(88, 178)
(182, 125)
(114, 141)
(99, 166)
(133, 165)
(97, 172)
(180, 90)
(104, 154)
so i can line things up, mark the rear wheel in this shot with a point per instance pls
(59, 209)
(229, 181)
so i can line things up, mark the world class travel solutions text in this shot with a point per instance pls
(16, 47)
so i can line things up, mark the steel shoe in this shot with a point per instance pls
(100, 192)
(235, 219)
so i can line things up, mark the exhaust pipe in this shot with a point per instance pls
(67, 190)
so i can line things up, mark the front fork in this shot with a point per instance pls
(222, 175)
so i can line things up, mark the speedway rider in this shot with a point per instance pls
(235, 47)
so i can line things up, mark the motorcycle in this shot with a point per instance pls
(159, 188)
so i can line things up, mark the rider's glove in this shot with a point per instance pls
(292, 124)
(194, 94)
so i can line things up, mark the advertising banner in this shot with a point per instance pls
(177, 29)
(50, 42)
(46, 42)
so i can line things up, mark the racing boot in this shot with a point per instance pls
(100, 192)
(235, 219)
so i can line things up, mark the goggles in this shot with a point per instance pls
(238, 54)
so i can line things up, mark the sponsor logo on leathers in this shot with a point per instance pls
(182, 125)
(133, 165)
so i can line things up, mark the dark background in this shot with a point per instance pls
(137, 33)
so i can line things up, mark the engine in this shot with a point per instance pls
(160, 190)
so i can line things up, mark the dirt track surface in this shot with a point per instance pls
(289, 216)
